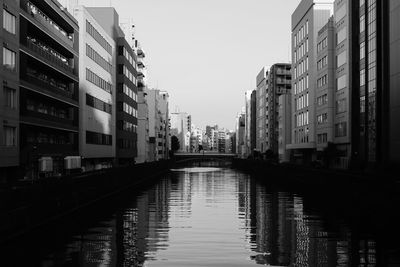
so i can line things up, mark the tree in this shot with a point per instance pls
(175, 143)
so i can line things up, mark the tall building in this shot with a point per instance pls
(253, 121)
(127, 106)
(308, 18)
(181, 129)
(9, 89)
(326, 94)
(248, 122)
(261, 82)
(393, 144)
(158, 124)
(240, 133)
(97, 86)
(48, 67)
(374, 77)
(271, 83)
(279, 83)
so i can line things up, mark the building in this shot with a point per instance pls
(48, 95)
(9, 90)
(271, 83)
(261, 131)
(308, 18)
(97, 88)
(248, 148)
(181, 128)
(279, 83)
(240, 133)
(142, 129)
(393, 151)
(127, 107)
(326, 94)
(158, 124)
(253, 121)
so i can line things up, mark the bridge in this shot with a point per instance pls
(204, 156)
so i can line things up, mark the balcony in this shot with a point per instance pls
(283, 72)
(44, 83)
(140, 53)
(49, 24)
(140, 74)
(140, 64)
(49, 55)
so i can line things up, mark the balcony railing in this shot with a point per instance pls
(45, 83)
(49, 54)
(49, 23)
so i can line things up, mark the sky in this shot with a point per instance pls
(207, 53)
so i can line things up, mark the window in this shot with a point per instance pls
(10, 97)
(340, 106)
(98, 138)
(322, 118)
(340, 13)
(342, 35)
(322, 100)
(99, 82)
(341, 59)
(362, 50)
(10, 136)
(322, 138)
(92, 54)
(9, 59)
(341, 129)
(362, 77)
(341, 82)
(8, 21)
(98, 104)
(98, 37)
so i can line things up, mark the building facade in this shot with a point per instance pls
(49, 87)
(308, 18)
(9, 90)
(97, 89)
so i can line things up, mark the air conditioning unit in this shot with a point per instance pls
(45, 164)
(72, 162)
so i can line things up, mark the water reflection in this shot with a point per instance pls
(215, 217)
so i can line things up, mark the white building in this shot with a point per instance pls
(97, 93)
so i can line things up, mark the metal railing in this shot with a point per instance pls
(48, 54)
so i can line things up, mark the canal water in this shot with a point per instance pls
(202, 216)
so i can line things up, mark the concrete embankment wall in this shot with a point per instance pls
(29, 205)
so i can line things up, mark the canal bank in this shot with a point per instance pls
(29, 205)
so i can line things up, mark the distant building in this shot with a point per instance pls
(158, 124)
(181, 129)
(240, 133)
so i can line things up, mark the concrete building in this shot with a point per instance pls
(48, 66)
(279, 83)
(253, 121)
(97, 86)
(9, 89)
(261, 131)
(158, 124)
(181, 129)
(240, 133)
(248, 148)
(326, 94)
(142, 129)
(308, 18)
(271, 83)
(127, 113)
